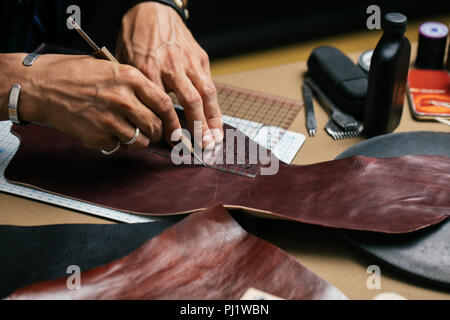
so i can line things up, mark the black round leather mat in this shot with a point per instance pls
(425, 254)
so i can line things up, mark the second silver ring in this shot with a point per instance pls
(108, 153)
(134, 139)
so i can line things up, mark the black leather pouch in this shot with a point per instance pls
(341, 80)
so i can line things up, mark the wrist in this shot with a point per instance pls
(15, 73)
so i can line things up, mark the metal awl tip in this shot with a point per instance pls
(199, 159)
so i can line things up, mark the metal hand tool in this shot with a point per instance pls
(338, 134)
(311, 123)
(345, 121)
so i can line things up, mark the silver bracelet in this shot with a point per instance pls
(13, 103)
(30, 59)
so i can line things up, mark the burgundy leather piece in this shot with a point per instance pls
(205, 256)
(395, 195)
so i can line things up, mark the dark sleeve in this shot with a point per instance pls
(102, 22)
(181, 10)
(15, 22)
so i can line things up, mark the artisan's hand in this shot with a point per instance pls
(97, 101)
(156, 41)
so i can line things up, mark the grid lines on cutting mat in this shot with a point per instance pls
(257, 106)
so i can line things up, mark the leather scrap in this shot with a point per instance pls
(419, 256)
(35, 254)
(208, 255)
(394, 195)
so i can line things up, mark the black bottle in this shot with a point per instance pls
(388, 74)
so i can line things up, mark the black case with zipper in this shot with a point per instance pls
(341, 80)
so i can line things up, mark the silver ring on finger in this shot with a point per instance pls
(108, 153)
(134, 139)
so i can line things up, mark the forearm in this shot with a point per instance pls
(101, 108)
(13, 72)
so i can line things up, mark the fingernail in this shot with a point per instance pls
(208, 157)
(208, 141)
(177, 135)
(218, 135)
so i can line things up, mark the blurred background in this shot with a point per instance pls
(233, 27)
(237, 34)
(264, 33)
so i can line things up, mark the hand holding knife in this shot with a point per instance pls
(104, 53)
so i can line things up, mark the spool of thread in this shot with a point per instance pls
(432, 44)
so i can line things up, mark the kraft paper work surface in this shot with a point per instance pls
(322, 250)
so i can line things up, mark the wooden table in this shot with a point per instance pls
(320, 249)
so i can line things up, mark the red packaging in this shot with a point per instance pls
(429, 93)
